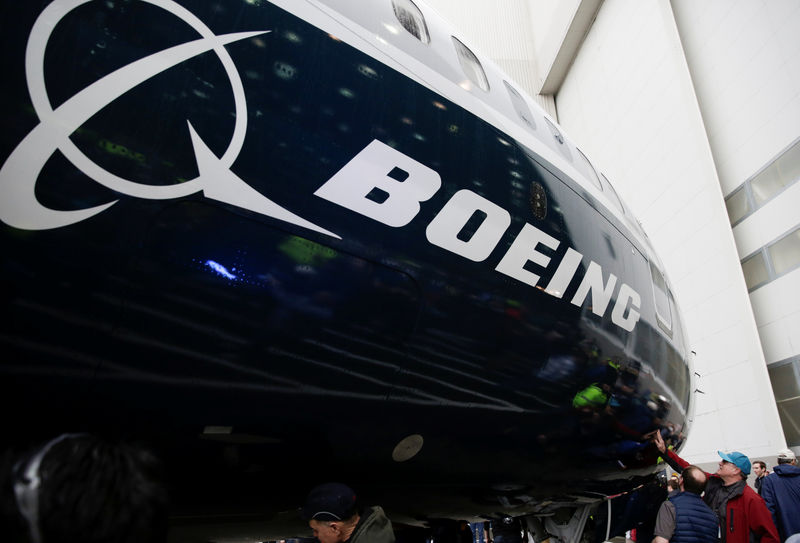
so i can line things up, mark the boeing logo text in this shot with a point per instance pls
(369, 170)
(19, 206)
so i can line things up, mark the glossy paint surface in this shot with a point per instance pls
(259, 356)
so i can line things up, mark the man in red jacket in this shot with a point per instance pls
(739, 509)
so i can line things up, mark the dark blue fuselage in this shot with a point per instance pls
(259, 357)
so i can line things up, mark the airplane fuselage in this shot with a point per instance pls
(282, 248)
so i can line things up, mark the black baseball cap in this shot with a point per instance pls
(331, 501)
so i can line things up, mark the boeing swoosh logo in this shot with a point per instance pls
(18, 204)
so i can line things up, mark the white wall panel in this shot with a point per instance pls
(727, 347)
(744, 56)
(773, 220)
(733, 387)
(777, 344)
(778, 299)
(776, 306)
(747, 416)
(549, 20)
(707, 434)
(745, 59)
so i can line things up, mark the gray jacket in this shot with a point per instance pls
(373, 527)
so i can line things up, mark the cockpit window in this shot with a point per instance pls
(520, 106)
(614, 196)
(660, 292)
(412, 19)
(588, 170)
(561, 144)
(471, 65)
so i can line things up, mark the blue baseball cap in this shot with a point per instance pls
(737, 459)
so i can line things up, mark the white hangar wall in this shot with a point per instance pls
(628, 92)
(744, 56)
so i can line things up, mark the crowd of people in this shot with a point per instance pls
(80, 488)
(721, 507)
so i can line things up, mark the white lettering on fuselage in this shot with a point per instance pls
(19, 205)
(367, 171)
(443, 230)
(379, 182)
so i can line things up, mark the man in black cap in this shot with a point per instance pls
(333, 515)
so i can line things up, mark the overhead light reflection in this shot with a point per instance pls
(367, 71)
(391, 28)
(220, 269)
(284, 70)
(292, 37)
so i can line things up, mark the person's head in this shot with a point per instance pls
(786, 456)
(331, 512)
(759, 468)
(78, 487)
(674, 482)
(693, 480)
(733, 467)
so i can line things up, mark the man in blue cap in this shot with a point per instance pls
(740, 511)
